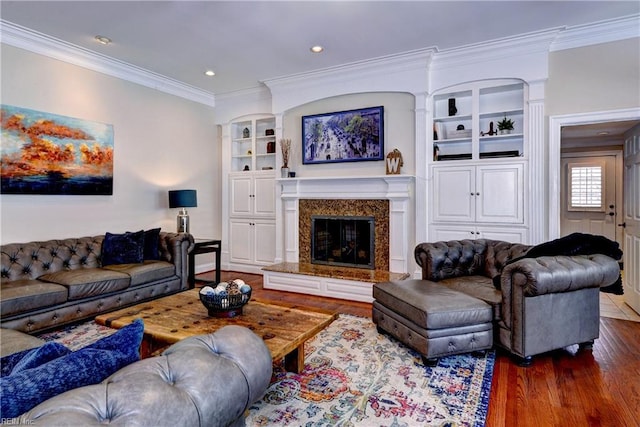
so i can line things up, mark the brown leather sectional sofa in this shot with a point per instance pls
(51, 283)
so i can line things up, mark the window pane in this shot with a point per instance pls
(586, 187)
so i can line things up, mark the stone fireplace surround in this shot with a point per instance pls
(300, 197)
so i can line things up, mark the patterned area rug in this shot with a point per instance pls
(354, 376)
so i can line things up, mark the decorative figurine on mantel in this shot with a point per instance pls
(394, 162)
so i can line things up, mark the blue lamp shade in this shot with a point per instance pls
(183, 199)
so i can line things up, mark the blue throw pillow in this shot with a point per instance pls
(126, 248)
(32, 358)
(21, 391)
(151, 240)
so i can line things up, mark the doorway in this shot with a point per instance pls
(628, 118)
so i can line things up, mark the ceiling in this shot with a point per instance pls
(247, 42)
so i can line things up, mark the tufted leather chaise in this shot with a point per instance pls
(51, 283)
(543, 303)
(205, 380)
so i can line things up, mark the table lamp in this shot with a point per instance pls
(183, 199)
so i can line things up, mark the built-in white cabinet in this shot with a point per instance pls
(478, 171)
(492, 193)
(466, 121)
(253, 241)
(253, 144)
(249, 193)
(252, 194)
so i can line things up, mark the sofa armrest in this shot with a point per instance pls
(175, 248)
(455, 258)
(553, 274)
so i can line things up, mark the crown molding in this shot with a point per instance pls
(600, 32)
(33, 41)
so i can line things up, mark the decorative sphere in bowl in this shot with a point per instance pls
(226, 299)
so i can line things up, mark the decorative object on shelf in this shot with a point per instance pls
(271, 147)
(249, 152)
(452, 107)
(285, 147)
(226, 299)
(394, 162)
(269, 132)
(491, 131)
(246, 168)
(183, 199)
(460, 127)
(292, 174)
(343, 136)
(460, 132)
(246, 133)
(435, 131)
(436, 152)
(505, 126)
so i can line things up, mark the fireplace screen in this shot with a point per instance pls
(342, 240)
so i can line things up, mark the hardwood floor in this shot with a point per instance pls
(562, 388)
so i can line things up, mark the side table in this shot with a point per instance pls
(204, 246)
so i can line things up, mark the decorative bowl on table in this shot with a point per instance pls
(226, 299)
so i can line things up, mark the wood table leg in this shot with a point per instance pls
(294, 361)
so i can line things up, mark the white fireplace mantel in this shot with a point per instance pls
(398, 189)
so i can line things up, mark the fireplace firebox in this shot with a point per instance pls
(343, 240)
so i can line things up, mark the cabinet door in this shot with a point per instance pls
(505, 234)
(241, 200)
(452, 232)
(500, 193)
(241, 241)
(265, 241)
(264, 192)
(454, 194)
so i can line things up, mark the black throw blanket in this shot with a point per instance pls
(577, 244)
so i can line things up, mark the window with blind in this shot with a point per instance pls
(586, 184)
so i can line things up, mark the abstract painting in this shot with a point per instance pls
(44, 153)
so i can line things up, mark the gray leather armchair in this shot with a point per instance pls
(543, 303)
(205, 380)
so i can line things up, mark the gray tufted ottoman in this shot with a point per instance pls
(431, 318)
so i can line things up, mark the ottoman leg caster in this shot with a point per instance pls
(524, 362)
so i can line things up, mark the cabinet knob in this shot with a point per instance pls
(472, 194)
(477, 194)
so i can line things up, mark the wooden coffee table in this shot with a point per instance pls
(284, 328)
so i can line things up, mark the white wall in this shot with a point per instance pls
(161, 142)
(399, 132)
(594, 78)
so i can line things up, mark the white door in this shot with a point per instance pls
(265, 242)
(264, 195)
(500, 194)
(241, 200)
(631, 255)
(241, 234)
(589, 195)
(454, 194)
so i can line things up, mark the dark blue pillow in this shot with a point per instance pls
(126, 248)
(31, 358)
(151, 240)
(21, 391)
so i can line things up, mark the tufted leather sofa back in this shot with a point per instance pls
(456, 258)
(32, 260)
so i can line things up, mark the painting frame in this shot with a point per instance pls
(50, 154)
(355, 135)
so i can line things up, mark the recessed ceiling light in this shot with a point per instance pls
(103, 40)
(316, 49)
(210, 73)
(603, 133)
